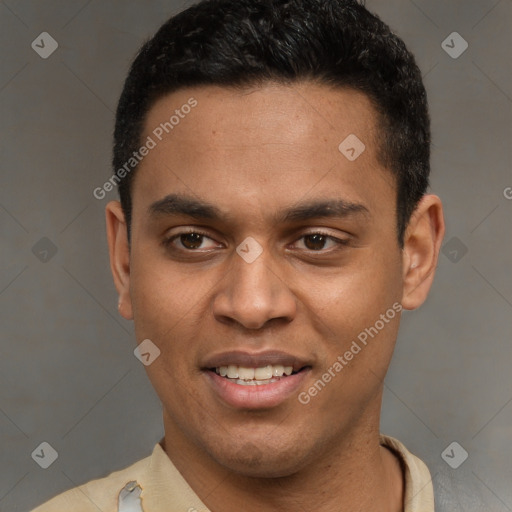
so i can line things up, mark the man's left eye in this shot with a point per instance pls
(318, 241)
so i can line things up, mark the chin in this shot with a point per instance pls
(257, 461)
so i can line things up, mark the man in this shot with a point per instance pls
(272, 159)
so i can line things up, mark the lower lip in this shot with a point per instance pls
(256, 397)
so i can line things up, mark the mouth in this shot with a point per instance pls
(255, 381)
(261, 376)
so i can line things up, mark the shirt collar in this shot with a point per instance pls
(163, 485)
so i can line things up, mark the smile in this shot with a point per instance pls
(243, 380)
(261, 376)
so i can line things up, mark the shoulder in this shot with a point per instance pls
(454, 491)
(101, 494)
(419, 491)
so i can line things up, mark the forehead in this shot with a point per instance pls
(273, 143)
(298, 114)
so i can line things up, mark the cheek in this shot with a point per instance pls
(168, 309)
(356, 312)
(163, 299)
(355, 296)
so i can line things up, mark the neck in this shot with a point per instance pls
(357, 475)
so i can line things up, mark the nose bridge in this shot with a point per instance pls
(252, 293)
(253, 282)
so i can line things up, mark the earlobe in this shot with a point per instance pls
(422, 243)
(119, 251)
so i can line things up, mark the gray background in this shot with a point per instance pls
(68, 375)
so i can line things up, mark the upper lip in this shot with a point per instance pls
(255, 360)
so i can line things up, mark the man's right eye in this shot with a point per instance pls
(190, 241)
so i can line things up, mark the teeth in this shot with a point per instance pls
(278, 370)
(254, 376)
(255, 382)
(264, 373)
(232, 372)
(245, 373)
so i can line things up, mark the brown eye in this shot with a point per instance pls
(322, 243)
(315, 242)
(191, 240)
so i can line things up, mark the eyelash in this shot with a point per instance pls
(168, 242)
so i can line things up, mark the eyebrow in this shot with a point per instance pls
(178, 204)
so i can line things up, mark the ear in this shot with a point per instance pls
(119, 250)
(422, 243)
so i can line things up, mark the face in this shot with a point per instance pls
(259, 249)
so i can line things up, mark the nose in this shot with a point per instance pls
(254, 294)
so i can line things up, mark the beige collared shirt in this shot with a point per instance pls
(154, 484)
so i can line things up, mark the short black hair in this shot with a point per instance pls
(243, 43)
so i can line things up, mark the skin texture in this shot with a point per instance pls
(251, 154)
